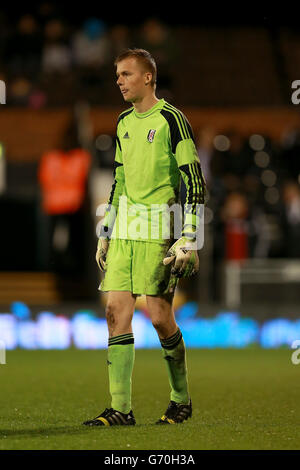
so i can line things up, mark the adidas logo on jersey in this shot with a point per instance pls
(126, 136)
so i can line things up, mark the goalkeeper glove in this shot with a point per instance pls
(102, 248)
(185, 256)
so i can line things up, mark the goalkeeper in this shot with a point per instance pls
(154, 149)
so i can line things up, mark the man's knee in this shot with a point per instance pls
(158, 324)
(163, 327)
(111, 314)
(117, 313)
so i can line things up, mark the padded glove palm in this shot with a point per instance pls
(102, 248)
(184, 256)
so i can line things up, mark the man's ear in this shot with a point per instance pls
(148, 78)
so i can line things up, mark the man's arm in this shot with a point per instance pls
(195, 192)
(184, 251)
(185, 153)
(111, 208)
(116, 191)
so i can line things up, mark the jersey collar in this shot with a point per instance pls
(159, 105)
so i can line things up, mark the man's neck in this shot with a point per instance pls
(146, 103)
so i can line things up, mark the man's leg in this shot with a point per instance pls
(120, 357)
(161, 312)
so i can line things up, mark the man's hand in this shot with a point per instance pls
(102, 248)
(185, 256)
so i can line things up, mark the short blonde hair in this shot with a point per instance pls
(144, 57)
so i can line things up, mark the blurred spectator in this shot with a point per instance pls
(205, 149)
(234, 215)
(242, 154)
(37, 99)
(259, 234)
(219, 163)
(252, 188)
(161, 43)
(290, 151)
(291, 219)
(63, 175)
(91, 45)
(119, 40)
(23, 51)
(247, 233)
(19, 91)
(56, 57)
(47, 11)
(237, 155)
(23, 92)
(4, 34)
(239, 231)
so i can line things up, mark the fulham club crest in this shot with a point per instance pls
(151, 134)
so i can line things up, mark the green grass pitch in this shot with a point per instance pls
(242, 399)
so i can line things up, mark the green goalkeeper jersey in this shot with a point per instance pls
(154, 150)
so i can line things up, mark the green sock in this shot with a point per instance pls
(120, 360)
(174, 353)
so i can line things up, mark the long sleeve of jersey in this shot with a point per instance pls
(185, 153)
(116, 191)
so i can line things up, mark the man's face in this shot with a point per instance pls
(132, 79)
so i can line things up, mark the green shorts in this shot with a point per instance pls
(137, 266)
